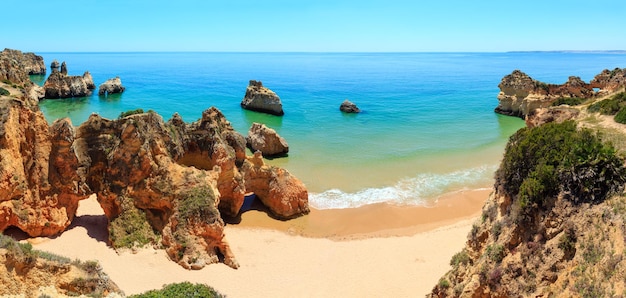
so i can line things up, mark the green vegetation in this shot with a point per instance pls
(444, 283)
(131, 228)
(620, 117)
(570, 101)
(182, 290)
(4, 92)
(495, 252)
(541, 162)
(197, 204)
(131, 112)
(460, 258)
(609, 106)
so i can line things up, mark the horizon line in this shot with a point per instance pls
(345, 52)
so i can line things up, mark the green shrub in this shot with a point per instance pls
(131, 112)
(460, 258)
(198, 204)
(444, 283)
(609, 106)
(620, 117)
(570, 101)
(131, 228)
(182, 290)
(4, 92)
(495, 252)
(541, 162)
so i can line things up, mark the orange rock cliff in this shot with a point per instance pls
(166, 182)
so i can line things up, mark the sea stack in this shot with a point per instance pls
(61, 85)
(349, 107)
(111, 86)
(262, 99)
(264, 139)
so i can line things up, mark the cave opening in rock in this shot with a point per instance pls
(90, 216)
(15, 233)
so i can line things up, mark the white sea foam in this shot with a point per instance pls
(412, 191)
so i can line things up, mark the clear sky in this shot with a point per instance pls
(313, 25)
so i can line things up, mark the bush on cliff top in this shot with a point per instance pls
(609, 106)
(184, 289)
(4, 91)
(541, 162)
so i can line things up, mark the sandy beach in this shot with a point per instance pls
(377, 250)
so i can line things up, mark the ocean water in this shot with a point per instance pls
(427, 126)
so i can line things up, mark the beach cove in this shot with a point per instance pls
(405, 200)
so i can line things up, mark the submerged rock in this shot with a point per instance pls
(264, 139)
(262, 99)
(349, 107)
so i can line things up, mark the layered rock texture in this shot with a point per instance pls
(61, 85)
(261, 99)
(555, 225)
(520, 94)
(15, 67)
(264, 139)
(111, 86)
(154, 180)
(31, 273)
(349, 107)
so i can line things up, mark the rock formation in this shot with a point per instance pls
(14, 70)
(150, 177)
(16, 66)
(262, 99)
(609, 81)
(349, 107)
(111, 86)
(61, 85)
(39, 184)
(264, 139)
(552, 114)
(29, 273)
(284, 195)
(520, 94)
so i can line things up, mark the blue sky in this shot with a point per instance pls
(314, 25)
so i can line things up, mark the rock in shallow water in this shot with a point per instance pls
(262, 99)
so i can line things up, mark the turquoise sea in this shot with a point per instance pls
(428, 125)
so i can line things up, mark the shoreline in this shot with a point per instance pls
(374, 220)
(379, 250)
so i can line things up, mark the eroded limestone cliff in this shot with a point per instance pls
(156, 181)
(520, 94)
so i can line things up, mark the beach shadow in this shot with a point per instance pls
(96, 226)
(16, 233)
(255, 206)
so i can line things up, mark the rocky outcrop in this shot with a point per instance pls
(554, 227)
(15, 66)
(150, 177)
(39, 184)
(552, 114)
(14, 70)
(520, 94)
(28, 273)
(284, 195)
(264, 139)
(111, 86)
(262, 99)
(61, 85)
(349, 107)
(609, 81)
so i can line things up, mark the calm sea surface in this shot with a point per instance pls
(428, 125)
